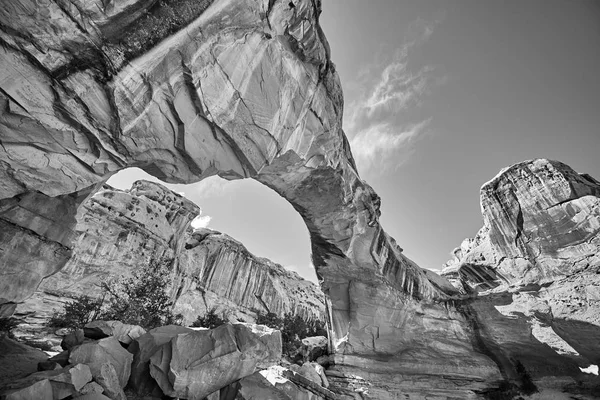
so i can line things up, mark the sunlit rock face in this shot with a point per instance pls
(217, 272)
(119, 231)
(541, 223)
(239, 89)
(535, 265)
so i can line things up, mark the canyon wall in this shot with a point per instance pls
(119, 231)
(536, 263)
(541, 223)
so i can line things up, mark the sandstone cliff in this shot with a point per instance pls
(216, 271)
(535, 266)
(541, 223)
(122, 230)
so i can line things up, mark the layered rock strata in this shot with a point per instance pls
(217, 272)
(541, 223)
(242, 89)
(120, 231)
(535, 269)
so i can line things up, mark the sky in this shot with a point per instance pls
(439, 97)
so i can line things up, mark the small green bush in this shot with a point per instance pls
(77, 313)
(210, 320)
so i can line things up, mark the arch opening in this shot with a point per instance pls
(248, 211)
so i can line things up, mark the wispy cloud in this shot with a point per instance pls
(381, 130)
(378, 146)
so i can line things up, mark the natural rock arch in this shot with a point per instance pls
(246, 89)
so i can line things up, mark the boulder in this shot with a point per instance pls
(196, 364)
(314, 372)
(274, 383)
(72, 339)
(108, 378)
(313, 347)
(254, 387)
(124, 333)
(142, 349)
(61, 358)
(107, 350)
(48, 366)
(91, 387)
(254, 340)
(17, 360)
(39, 390)
(63, 383)
(77, 376)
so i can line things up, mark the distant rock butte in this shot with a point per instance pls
(239, 89)
(122, 230)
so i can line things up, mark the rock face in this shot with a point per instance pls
(122, 230)
(541, 223)
(242, 89)
(196, 364)
(536, 266)
(216, 271)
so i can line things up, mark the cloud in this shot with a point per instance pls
(201, 221)
(377, 145)
(381, 125)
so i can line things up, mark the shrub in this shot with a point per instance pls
(142, 299)
(269, 319)
(293, 328)
(77, 313)
(210, 320)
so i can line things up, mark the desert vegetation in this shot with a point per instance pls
(140, 299)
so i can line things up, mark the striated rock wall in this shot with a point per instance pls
(534, 269)
(541, 223)
(216, 271)
(122, 230)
